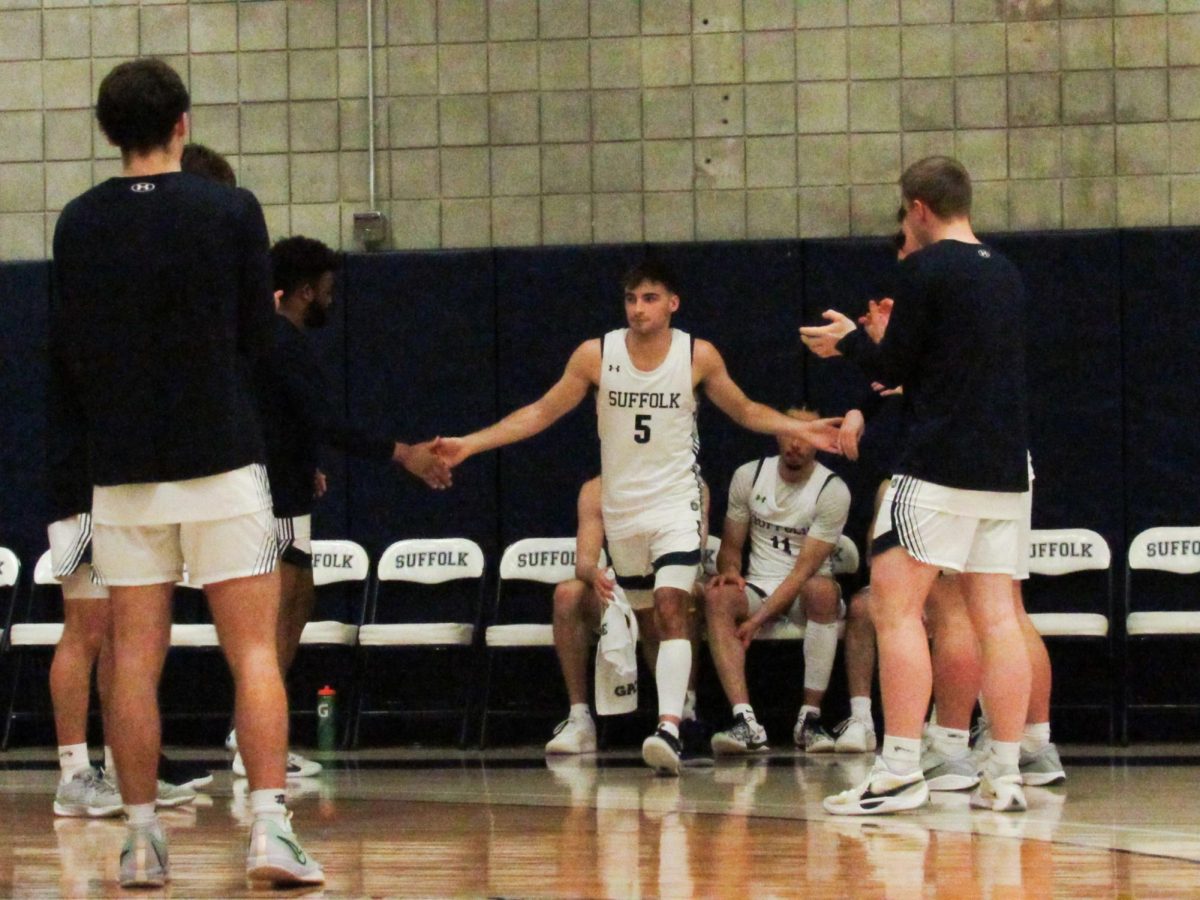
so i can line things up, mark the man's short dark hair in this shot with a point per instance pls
(208, 163)
(941, 183)
(139, 103)
(297, 261)
(650, 270)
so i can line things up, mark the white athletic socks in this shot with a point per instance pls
(860, 708)
(1005, 754)
(268, 803)
(139, 815)
(1036, 737)
(951, 743)
(72, 759)
(743, 709)
(820, 648)
(579, 711)
(671, 673)
(902, 756)
(110, 764)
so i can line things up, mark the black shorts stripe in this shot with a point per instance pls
(754, 587)
(78, 548)
(884, 542)
(678, 558)
(636, 582)
(294, 556)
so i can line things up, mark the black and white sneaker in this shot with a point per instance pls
(694, 738)
(661, 752)
(746, 736)
(810, 736)
(182, 773)
(882, 792)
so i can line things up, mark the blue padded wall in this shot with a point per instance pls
(1160, 275)
(548, 302)
(419, 362)
(24, 301)
(745, 299)
(1073, 361)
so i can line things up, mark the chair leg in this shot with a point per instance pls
(18, 667)
(487, 694)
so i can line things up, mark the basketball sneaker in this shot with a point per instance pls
(809, 736)
(882, 792)
(574, 734)
(275, 855)
(854, 736)
(746, 736)
(144, 857)
(1043, 767)
(297, 766)
(944, 773)
(695, 739)
(981, 741)
(183, 773)
(170, 795)
(661, 752)
(999, 789)
(88, 794)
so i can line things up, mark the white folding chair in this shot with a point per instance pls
(10, 571)
(432, 570)
(1174, 551)
(520, 617)
(338, 562)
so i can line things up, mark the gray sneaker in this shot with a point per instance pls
(87, 794)
(144, 857)
(1042, 768)
(809, 736)
(173, 794)
(275, 855)
(746, 736)
(945, 774)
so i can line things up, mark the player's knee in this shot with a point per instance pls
(568, 599)
(821, 596)
(719, 603)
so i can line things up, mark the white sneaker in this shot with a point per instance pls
(574, 734)
(854, 736)
(274, 854)
(746, 736)
(882, 792)
(231, 741)
(297, 766)
(999, 789)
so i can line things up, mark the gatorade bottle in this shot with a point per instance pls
(326, 718)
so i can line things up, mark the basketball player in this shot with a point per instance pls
(201, 160)
(163, 307)
(299, 418)
(578, 608)
(84, 646)
(647, 376)
(955, 340)
(792, 509)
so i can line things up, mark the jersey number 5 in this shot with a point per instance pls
(641, 428)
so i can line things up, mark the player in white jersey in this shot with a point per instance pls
(651, 504)
(793, 510)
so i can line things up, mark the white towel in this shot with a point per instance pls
(616, 657)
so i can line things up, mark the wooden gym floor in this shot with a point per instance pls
(504, 824)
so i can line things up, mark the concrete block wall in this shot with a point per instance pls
(541, 122)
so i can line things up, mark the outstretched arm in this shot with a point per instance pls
(729, 398)
(582, 371)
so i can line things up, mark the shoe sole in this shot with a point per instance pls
(887, 807)
(202, 781)
(87, 812)
(1042, 779)
(556, 751)
(278, 875)
(952, 782)
(658, 756)
(729, 747)
(818, 749)
(173, 802)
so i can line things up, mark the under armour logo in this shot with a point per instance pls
(613, 368)
(142, 187)
(984, 253)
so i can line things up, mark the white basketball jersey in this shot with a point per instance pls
(648, 438)
(781, 515)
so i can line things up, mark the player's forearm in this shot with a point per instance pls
(729, 563)
(516, 426)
